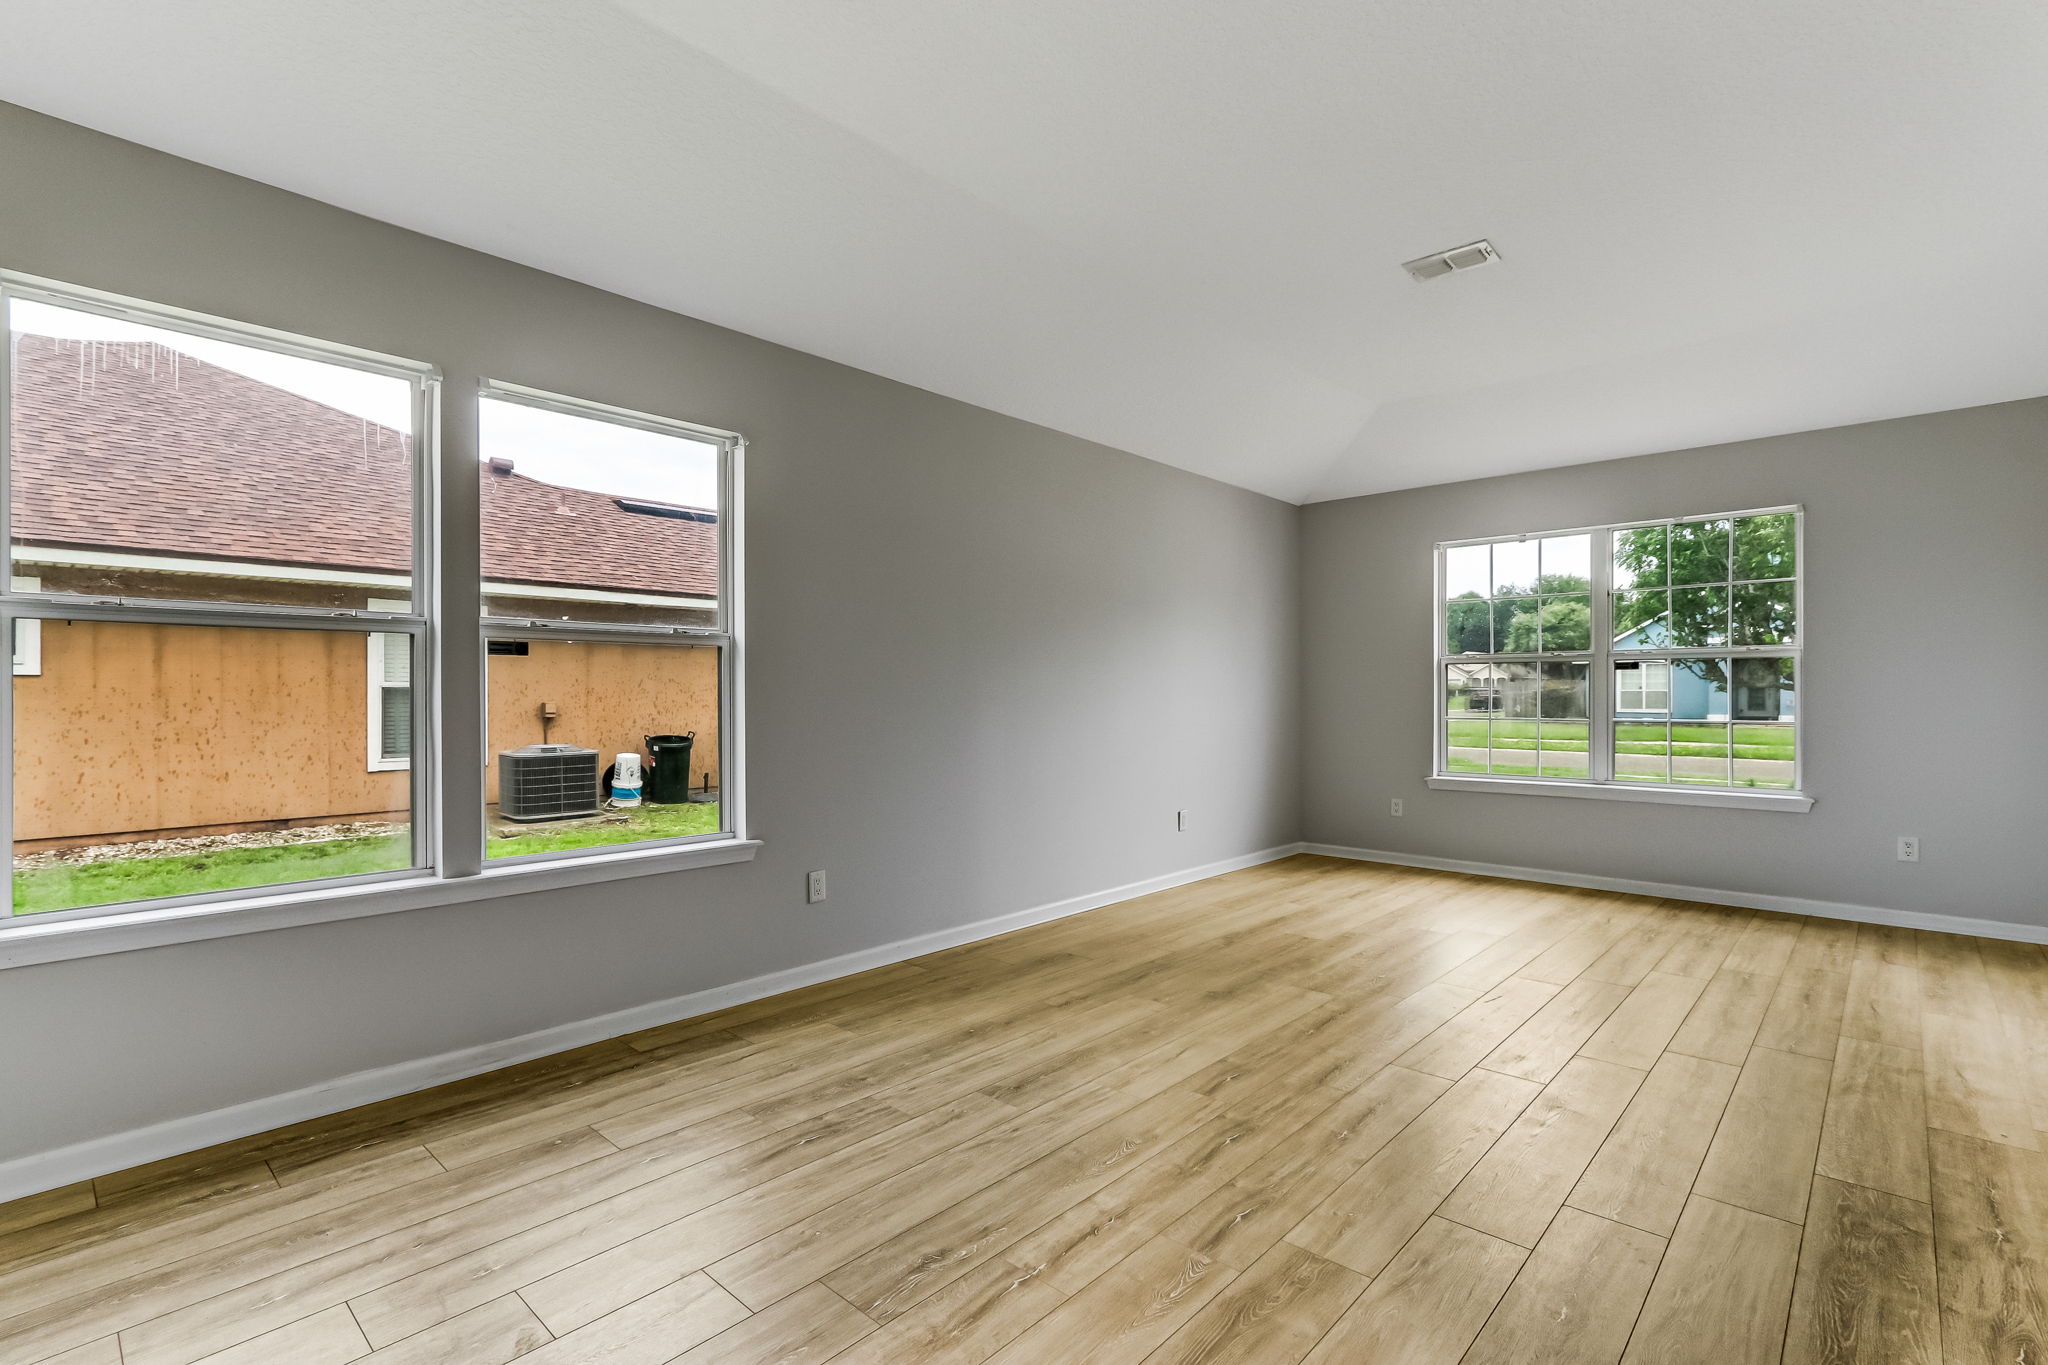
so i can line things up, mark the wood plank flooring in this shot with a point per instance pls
(1313, 1111)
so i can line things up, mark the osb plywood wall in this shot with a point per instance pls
(131, 730)
(609, 698)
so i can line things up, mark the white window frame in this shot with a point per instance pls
(374, 657)
(1600, 783)
(28, 633)
(1645, 691)
(724, 635)
(447, 821)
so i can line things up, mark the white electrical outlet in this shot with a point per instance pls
(1397, 805)
(1180, 821)
(814, 887)
(1909, 848)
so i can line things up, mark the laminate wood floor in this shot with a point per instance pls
(1314, 1111)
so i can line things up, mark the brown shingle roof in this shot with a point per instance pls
(132, 446)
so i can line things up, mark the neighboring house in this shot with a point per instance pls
(1665, 689)
(1644, 689)
(140, 471)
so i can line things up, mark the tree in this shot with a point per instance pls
(1468, 625)
(1696, 560)
(1567, 624)
(1508, 625)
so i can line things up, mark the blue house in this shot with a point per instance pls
(1671, 689)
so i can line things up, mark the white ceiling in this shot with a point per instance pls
(1175, 227)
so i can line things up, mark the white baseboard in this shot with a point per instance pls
(1748, 900)
(82, 1161)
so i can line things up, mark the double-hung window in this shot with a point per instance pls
(227, 604)
(1655, 659)
(607, 558)
(210, 530)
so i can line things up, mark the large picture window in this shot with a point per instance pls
(228, 613)
(1657, 655)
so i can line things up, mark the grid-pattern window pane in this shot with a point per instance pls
(1527, 715)
(1524, 596)
(1699, 584)
(1674, 665)
(1725, 721)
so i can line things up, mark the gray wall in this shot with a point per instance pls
(1922, 702)
(988, 662)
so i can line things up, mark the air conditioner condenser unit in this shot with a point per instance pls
(547, 782)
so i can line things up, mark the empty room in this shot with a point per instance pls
(768, 682)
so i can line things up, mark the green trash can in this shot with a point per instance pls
(668, 770)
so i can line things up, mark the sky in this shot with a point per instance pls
(576, 452)
(1514, 564)
(579, 452)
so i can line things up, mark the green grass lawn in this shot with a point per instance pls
(644, 822)
(231, 869)
(1768, 743)
(1467, 765)
(1520, 734)
(67, 888)
(1751, 741)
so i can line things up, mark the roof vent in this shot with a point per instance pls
(664, 509)
(1463, 257)
(500, 465)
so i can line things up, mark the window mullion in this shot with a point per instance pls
(1600, 755)
(1440, 715)
(7, 618)
(456, 689)
(603, 632)
(141, 611)
(732, 724)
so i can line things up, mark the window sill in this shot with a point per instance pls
(1790, 802)
(25, 941)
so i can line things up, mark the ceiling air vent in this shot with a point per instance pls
(1463, 257)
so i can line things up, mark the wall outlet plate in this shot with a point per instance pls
(1180, 821)
(1909, 848)
(814, 887)
(1397, 805)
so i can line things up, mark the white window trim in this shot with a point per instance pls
(152, 924)
(1600, 672)
(28, 635)
(288, 573)
(1739, 797)
(448, 830)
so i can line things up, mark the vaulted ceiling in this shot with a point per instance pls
(1176, 227)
